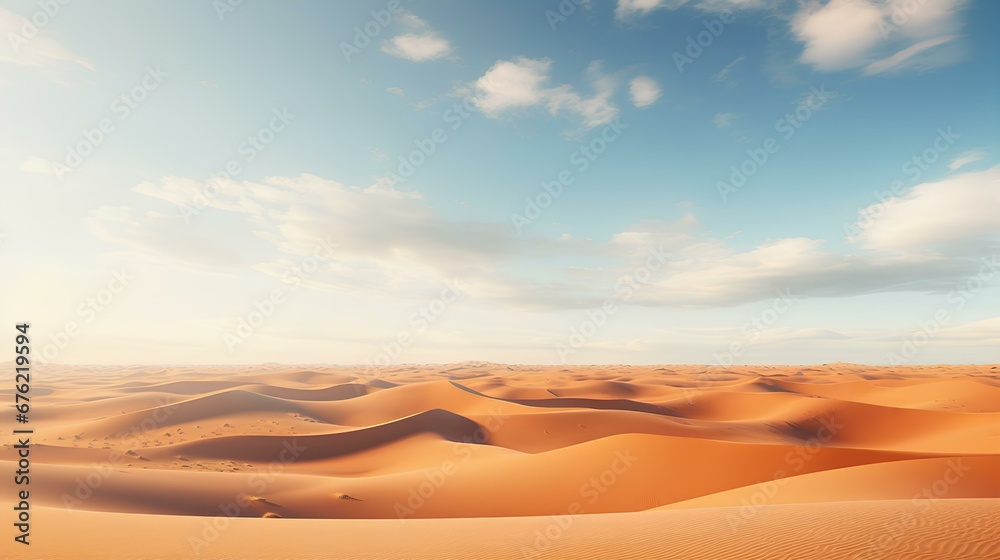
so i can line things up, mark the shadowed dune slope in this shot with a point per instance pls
(478, 439)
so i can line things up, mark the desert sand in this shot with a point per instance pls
(482, 460)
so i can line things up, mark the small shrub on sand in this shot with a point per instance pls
(343, 496)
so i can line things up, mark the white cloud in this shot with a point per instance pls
(387, 240)
(417, 48)
(627, 9)
(630, 8)
(839, 33)
(40, 51)
(162, 237)
(723, 120)
(37, 165)
(925, 19)
(709, 273)
(395, 91)
(419, 44)
(188, 193)
(596, 109)
(982, 332)
(521, 82)
(957, 213)
(720, 5)
(391, 243)
(965, 158)
(510, 84)
(644, 91)
(878, 35)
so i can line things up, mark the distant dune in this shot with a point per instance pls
(481, 460)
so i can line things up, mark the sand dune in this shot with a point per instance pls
(643, 462)
(951, 529)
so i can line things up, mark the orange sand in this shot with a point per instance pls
(479, 460)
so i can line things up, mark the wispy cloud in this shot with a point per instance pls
(847, 34)
(723, 75)
(392, 242)
(37, 50)
(37, 165)
(626, 9)
(965, 158)
(723, 120)
(907, 57)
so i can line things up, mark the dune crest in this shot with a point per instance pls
(636, 462)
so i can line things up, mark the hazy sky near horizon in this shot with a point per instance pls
(630, 181)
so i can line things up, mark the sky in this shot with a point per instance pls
(558, 182)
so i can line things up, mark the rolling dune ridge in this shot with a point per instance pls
(482, 460)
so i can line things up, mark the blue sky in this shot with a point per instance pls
(729, 181)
